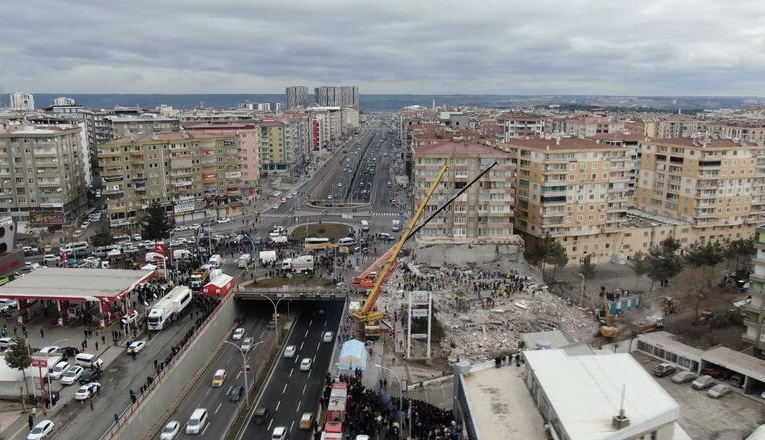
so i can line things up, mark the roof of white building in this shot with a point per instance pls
(670, 341)
(586, 392)
(736, 361)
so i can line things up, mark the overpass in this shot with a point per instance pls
(290, 294)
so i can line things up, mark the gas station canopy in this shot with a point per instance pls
(64, 284)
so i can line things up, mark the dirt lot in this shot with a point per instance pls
(726, 328)
(730, 417)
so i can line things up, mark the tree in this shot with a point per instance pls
(155, 225)
(740, 251)
(556, 256)
(18, 357)
(663, 262)
(702, 257)
(640, 266)
(587, 268)
(102, 239)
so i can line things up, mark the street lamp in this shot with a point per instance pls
(276, 305)
(244, 367)
(400, 396)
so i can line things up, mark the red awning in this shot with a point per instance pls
(221, 286)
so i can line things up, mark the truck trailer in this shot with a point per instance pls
(169, 307)
(301, 264)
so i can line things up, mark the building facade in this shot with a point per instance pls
(42, 174)
(716, 185)
(754, 311)
(248, 136)
(484, 213)
(574, 190)
(194, 175)
(297, 96)
(331, 96)
(22, 102)
(277, 146)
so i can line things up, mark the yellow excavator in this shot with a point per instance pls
(607, 330)
(367, 314)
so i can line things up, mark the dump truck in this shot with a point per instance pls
(200, 277)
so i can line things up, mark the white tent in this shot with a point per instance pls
(149, 267)
(353, 355)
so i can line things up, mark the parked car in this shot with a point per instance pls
(72, 375)
(29, 250)
(6, 343)
(663, 369)
(91, 375)
(170, 431)
(51, 349)
(59, 370)
(130, 318)
(718, 391)
(224, 220)
(10, 303)
(41, 430)
(703, 382)
(87, 391)
(683, 377)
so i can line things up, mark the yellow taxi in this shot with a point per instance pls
(306, 421)
(219, 377)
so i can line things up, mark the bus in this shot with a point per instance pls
(315, 240)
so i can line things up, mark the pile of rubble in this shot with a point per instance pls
(481, 325)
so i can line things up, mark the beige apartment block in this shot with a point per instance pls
(574, 190)
(195, 175)
(42, 174)
(717, 186)
(484, 213)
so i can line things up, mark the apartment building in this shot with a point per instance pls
(520, 125)
(277, 146)
(42, 174)
(334, 96)
(736, 128)
(754, 312)
(716, 185)
(574, 190)
(484, 213)
(590, 126)
(22, 102)
(248, 138)
(297, 96)
(195, 175)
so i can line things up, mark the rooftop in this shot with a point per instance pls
(735, 360)
(695, 143)
(562, 143)
(23, 130)
(663, 339)
(162, 137)
(501, 405)
(74, 284)
(585, 392)
(459, 148)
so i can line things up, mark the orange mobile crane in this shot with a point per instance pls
(367, 313)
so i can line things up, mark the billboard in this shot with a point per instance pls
(45, 217)
(185, 206)
(420, 298)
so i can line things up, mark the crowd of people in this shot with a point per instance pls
(376, 414)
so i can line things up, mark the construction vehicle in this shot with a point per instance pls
(668, 305)
(200, 277)
(648, 324)
(366, 279)
(367, 314)
(607, 329)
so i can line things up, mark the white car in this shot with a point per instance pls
(294, 193)
(130, 318)
(246, 345)
(289, 351)
(87, 391)
(136, 346)
(171, 430)
(11, 303)
(41, 430)
(72, 375)
(6, 343)
(276, 206)
(59, 370)
(224, 220)
(180, 228)
(51, 349)
(305, 364)
(327, 337)
(238, 334)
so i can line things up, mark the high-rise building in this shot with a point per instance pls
(330, 96)
(754, 310)
(22, 101)
(42, 174)
(297, 96)
(716, 185)
(574, 190)
(484, 213)
(63, 101)
(190, 174)
(277, 145)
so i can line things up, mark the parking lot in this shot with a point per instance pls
(730, 417)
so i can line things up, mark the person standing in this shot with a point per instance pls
(31, 421)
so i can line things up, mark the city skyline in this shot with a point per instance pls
(654, 48)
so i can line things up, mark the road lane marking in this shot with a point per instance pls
(301, 345)
(304, 386)
(306, 334)
(318, 345)
(277, 406)
(310, 323)
(284, 389)
(292, 425)
(268, 428)
(291, 370)
(325, 323)
(238, 374)
(218, 408)
(208, 391)
(205, 430)
(263, 333)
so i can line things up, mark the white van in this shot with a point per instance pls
(88, 360)
(215, 261)
(347, 241)
(76, 246)
(364, 225)
(197, 421)
(244, 261)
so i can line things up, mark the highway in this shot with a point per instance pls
(220, 408)
(291, 392)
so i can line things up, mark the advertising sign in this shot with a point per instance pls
(208, 177)
(45, 217)
(419, 313)
(186, 206)
(420, 298)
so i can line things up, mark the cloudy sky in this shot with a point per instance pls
(625, 47)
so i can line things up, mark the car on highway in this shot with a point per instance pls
(41, 430)
(327, 337)
(218, 378)
(238, 334)
(289, 351)
(718, 391)
(59, 370)
(72, 375)
(279, 433)
(305, 364)
(91, 375)
(197, 421)
(247, 345)
(136, 346)
(87, 391)
(306, 421)
(260, 415)
(703, 382)
(683, 377)
(170, 431)
(235, 393)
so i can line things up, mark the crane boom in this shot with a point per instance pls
(365, 312)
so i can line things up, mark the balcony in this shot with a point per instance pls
(46, 152)
(112, 178)
(182, 183)
(113, 192)
(49, 183)
(47, 164)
